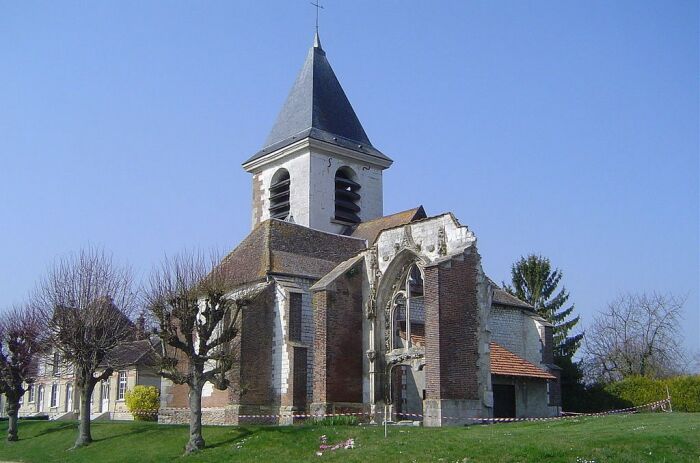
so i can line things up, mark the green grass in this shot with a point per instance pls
(623, 438)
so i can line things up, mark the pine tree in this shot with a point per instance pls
(536, 283)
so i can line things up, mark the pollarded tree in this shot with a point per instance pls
(88, 300)
(22, 341)
(197, 322)
(536, 283)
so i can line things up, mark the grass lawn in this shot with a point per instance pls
(662, 437)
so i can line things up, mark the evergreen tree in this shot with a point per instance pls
(535, 283)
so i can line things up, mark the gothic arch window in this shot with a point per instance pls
(347, 197)
(408, 317)
(279, 195)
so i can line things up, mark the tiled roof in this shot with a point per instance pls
(278, 247)
(371, 229)
(506, 363)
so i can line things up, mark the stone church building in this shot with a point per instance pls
(352, 310)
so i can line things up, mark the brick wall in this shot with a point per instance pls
(338, 341)
(451, 311)
(254, 372)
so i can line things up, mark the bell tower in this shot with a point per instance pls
(317, 167)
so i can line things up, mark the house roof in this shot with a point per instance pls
(278, 247)
(371, 229)
(506, 363)
(132, 353)
(317, 107)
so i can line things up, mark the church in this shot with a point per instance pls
(353, 311)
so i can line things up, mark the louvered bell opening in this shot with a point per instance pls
(346, 198)
(279, 197)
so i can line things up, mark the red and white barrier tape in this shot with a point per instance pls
(660, 403)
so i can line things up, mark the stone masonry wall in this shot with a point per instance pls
(517, 332)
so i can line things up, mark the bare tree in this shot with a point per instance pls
(22, 340)
(197, 323)
(638, 334)
(87, 300)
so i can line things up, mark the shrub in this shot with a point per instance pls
(685, 393)
(336, 421)
(143, 402)
(639, 390)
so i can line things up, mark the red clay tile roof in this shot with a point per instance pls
(370, 230)
(506, 363)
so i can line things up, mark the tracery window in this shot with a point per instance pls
(408, 320)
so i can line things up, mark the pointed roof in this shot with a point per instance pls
(318, 108)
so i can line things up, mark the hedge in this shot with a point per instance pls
(639, 390)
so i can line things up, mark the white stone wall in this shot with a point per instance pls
(298, 167)
(425, 234)
(281, 350)
(312, 188)
(322, 190)
(518, 332)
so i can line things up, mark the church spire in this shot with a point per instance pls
(318, 108)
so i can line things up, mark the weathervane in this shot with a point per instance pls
(318, 6)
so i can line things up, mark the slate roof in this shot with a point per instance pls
(371, 229)
(284, 248)
(502, 297)
(317, 107)
(140, 352)
(506, 363)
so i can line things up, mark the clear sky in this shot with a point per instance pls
(564, 128)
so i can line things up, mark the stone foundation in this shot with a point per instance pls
(451, 412)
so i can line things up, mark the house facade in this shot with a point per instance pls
(54, 393)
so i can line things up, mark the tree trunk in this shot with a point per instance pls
(196, 441)
(84, 435)
(12, 409)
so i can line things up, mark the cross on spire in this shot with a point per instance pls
(318, 6)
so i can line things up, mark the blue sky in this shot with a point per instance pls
(568, 128)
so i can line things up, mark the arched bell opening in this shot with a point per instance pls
(279, 195)
(347, 196)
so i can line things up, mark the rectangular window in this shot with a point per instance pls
(54, 395)
(31, 394)
(56, 359)
(122, 385)
(295, 316)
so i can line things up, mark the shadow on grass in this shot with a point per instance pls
(52, 430)
(243, 433)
